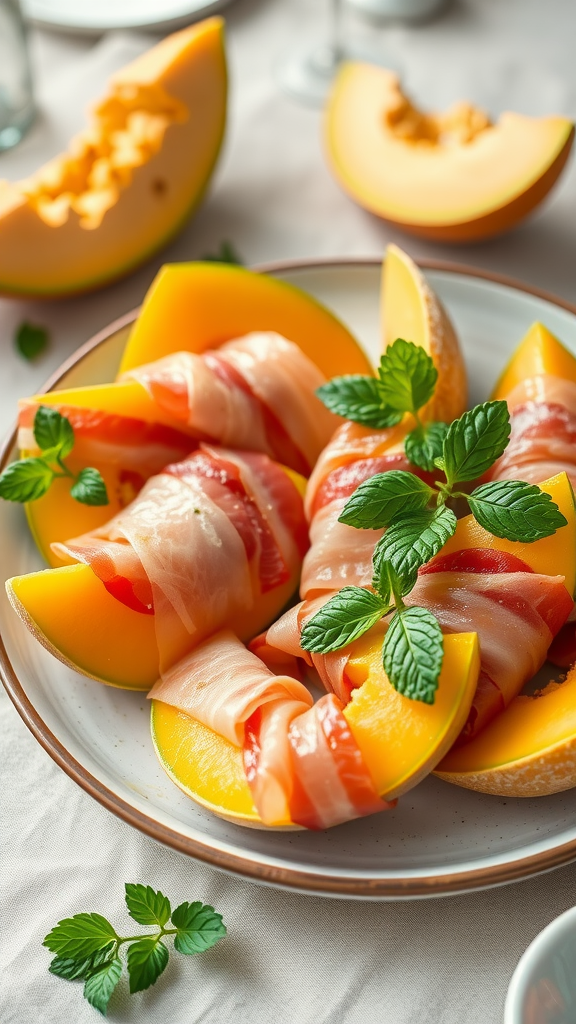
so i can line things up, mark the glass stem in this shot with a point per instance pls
(336, 45)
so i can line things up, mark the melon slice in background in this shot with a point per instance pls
(129, 181)
(411, 310)
(454, 177)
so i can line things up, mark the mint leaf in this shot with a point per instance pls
(30, 340)
(413, 653)
(407, 376)
(475, 441)
(358, 398)
(199, 927)
(411, 542)
(90, 488)
(425, 444)
(345, 617)
(71, 969)
(147, 958)
(377, 501)
(26, 480)
(226, 253)
(515, 510)
(100, 985)
(146, 905)
(80, 936)
(53, 431)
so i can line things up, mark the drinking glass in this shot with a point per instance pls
(308, 74)
(16, 98)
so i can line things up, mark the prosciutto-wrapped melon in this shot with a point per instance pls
(539, 385)
(256, 393)
(213, 541)
(251, 746)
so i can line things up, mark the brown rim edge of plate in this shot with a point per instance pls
(291, 878)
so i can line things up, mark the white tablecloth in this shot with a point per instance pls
(288, 958)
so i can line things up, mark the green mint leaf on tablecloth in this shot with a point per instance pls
(344, 618)
(358, 398)
(100, 984)
(226, 253)
(53, 432)
(80, 936)
(147, 958)
(407, 376)
(377, 501)
(30, 340)
(147, 905)
(425, 444)
(90, 488)
(199, 927)
(411, 542)
(413, 653)
(515, 510)
(72, 970)
(475, 440)
(26, 480)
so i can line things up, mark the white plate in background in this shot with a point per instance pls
(94, 16)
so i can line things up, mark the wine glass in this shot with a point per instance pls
(308, 74)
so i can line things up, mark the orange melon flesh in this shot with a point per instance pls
(552, 556)
(453, 177)
(401, 740)
(195, 306)
(538, 353)
(129, 181)
(121, 398)
(74, 617)
(412, 311)
(528, 750)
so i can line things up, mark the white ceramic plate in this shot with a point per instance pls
(440, 839)
(103, 15)
(543, 986)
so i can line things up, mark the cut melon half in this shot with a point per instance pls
(454, 177)
(129, 181)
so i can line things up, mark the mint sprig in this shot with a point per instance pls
(30, 340)
(87, 946)
(29, 479)
(360, 399)
(419, 522)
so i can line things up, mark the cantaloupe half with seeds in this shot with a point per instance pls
(401, 740)
(551, 556)
(454, 177)
(70, 612)
(194, 306)
(528, 750)
(539, 353)
(411, 310)
(129, 181)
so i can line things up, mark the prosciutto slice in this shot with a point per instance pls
(137, 448)
(339, 555)
(543, 434)
(256, 393)
(301, 760)
(196, 547)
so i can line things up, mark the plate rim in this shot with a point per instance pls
(285, 877)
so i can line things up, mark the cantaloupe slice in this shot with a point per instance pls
(453, 177)
(411, 310)
(401, 740)
(194, 306)
(528, 750)
(551, 556)
(129, 181)
(70, 612)
(539, 353)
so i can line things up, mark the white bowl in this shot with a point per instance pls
(543, 986)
